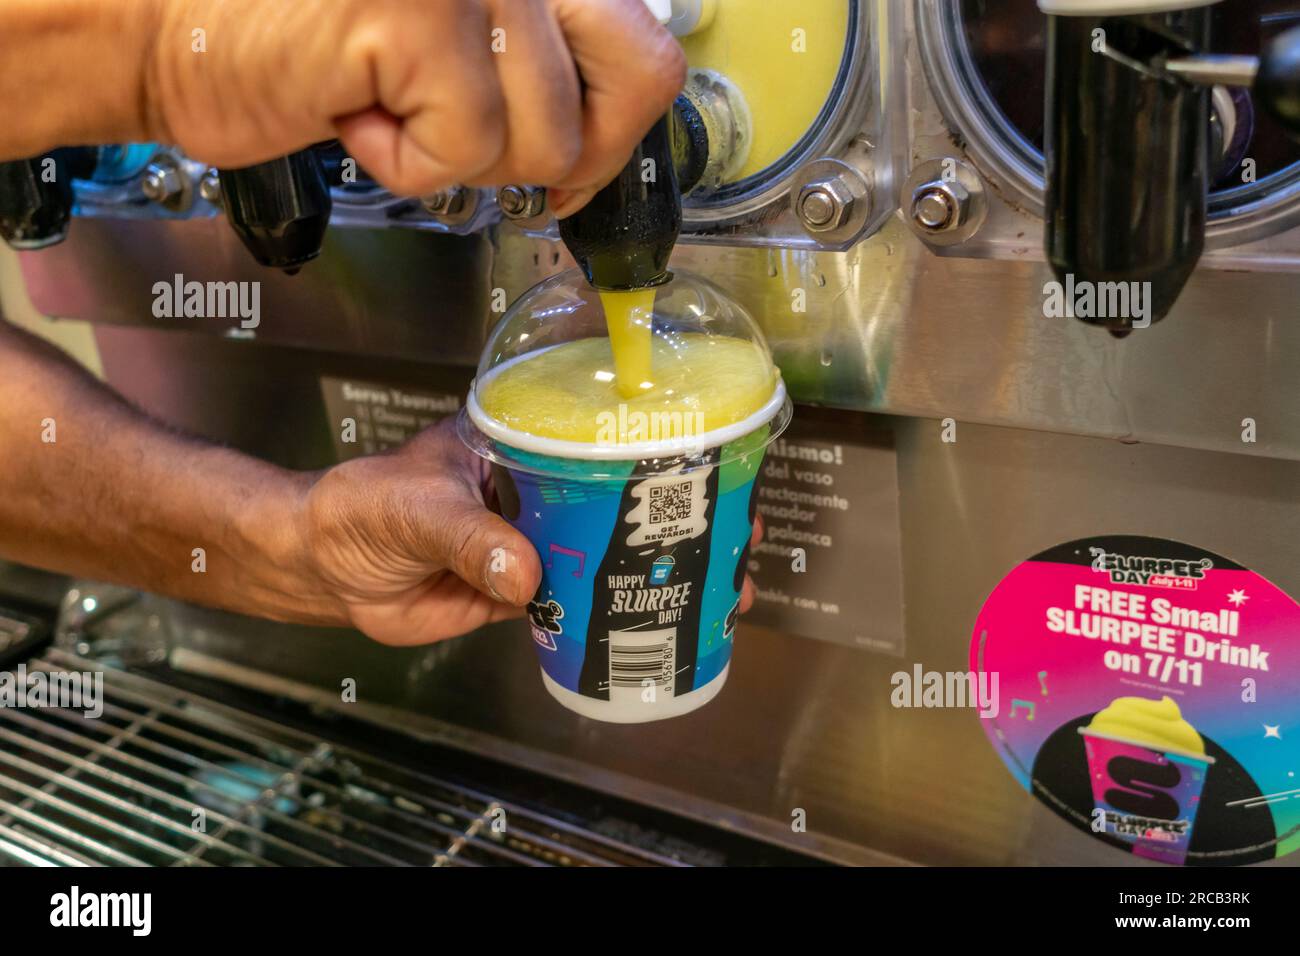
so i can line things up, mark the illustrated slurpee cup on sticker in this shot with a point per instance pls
(1148, 767)
(628, 452)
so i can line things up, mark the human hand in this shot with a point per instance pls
(422, 93)
(404, 547)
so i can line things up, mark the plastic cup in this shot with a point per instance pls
(644, 544)
(1149, 795)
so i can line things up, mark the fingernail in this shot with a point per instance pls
(500, 562)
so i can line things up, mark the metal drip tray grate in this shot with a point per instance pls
(167, 777)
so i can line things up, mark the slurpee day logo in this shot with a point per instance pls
(1149, 571)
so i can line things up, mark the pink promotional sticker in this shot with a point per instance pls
(1148, 692)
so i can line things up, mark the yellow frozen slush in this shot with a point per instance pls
(1157, 724)
(628, 316)
(570, 391)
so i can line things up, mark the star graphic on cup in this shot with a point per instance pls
(1273, 731)
(1238, 597)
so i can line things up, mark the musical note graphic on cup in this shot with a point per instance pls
(569, 552)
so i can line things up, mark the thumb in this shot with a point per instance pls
(565, 202)
(483, 550)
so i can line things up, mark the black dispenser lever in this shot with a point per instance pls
(1277, 87)
(622, 239)
(279, 209)
(1275, 76)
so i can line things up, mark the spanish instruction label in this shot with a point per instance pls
(830, 563)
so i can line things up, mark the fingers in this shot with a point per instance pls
(565, 202)
(420, 509)
(482, 93)
(631, 69)
(444, 607)
(748, 591)
(432, 111)
(543, 102)
(483, 550)
(747, 594)
(457, 529)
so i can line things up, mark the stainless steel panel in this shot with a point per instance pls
(398, 294)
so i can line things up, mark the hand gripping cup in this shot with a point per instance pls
(631, 463)
(1148, 767)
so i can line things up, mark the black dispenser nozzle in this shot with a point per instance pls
(1127, 146)
(1127, 162)
(36, 201)
(279, 209)
(623, 238)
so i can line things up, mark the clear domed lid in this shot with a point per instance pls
(671, 371)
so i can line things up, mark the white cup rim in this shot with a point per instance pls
(632, 451)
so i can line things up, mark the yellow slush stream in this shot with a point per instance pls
(628, 316)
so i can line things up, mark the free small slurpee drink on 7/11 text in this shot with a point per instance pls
(639, 496)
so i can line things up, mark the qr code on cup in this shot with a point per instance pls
(670, 502)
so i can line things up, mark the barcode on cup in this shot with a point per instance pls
(641, 659)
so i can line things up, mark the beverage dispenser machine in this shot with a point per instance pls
(1029, 272)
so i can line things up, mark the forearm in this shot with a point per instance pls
(91, 487)
(75, 72)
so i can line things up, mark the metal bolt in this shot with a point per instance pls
(210, 187)
(941, 206)
(934, 210)
(818, 208)
(521, 202)
(445, 202)
(163, 182)
(825, 205)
